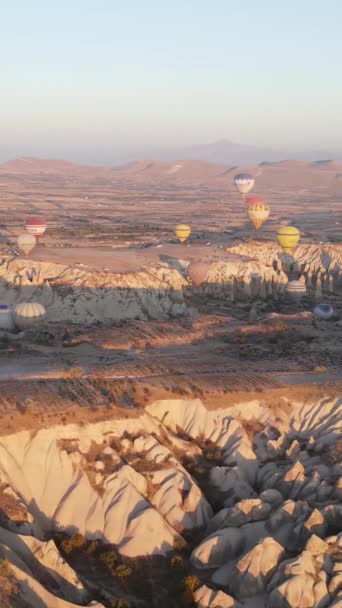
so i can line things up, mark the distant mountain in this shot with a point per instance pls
(229, 152)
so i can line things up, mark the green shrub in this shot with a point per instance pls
(110, 558)
(76, 541)
(123, 571)
(177, 563)
(191, 583)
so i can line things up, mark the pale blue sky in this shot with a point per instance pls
(82, 77)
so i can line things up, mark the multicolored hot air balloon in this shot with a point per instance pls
(29, 314)
(182, 232)
(35, 226)
(258, 211)
(26, 242)
(288, 237)
(244, 182)
(6, 317)
(197, 272)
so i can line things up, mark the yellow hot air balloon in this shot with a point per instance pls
(288, 237)
(258, 211)
(29, 314)
(182, 232)
(26, 242)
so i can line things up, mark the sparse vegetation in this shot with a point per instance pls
(110, 558)
(74, 542)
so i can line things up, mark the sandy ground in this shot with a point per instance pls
(123, 220)
(119, 260)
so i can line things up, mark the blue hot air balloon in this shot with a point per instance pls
(323, 311)
(244, 182)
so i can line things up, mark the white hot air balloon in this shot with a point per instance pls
(296, 289)
(26, 242)
(323, 311)
(6, 317)
(29, 314)
(244, 183)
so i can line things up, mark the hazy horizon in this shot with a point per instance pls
(112, 82)
(122, 155)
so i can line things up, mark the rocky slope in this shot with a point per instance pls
(182, 506)
(245, 273)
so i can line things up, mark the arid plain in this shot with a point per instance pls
(164, 444)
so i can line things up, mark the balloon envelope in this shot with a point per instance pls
(182, 232)
(254, 199)
(258, 212)
(6, 317)
(26, 242)
(197, 272)
(288, 237)
(35, 226)
(29, 314)
(323, 311)
(244, 182)
(296, 289)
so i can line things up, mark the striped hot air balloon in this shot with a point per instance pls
(296, 289)
(28, 314)
(182, 232)
(258, 211)
(288, 237)
(35, 226)
(197, 272)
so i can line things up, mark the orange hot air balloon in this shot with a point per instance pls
(258, 211)
(197, 272)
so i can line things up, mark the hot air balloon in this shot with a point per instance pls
(323, 311)
(29, 314)
(182, 232)
(288, 237)
(6, 317)
(35, 226)
(244, 182)
(197, 272)
(26, 242)
(296, 289)
(257, 211)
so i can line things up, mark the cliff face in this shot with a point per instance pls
(261, 508)
(69, 294)
(244, 273)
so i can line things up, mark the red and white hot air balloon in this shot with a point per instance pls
(197, 272)
(35, 226)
